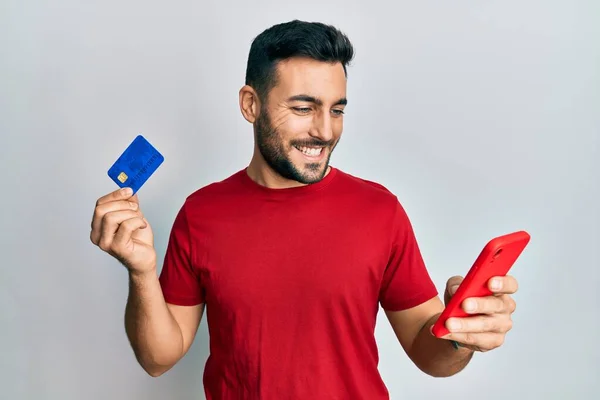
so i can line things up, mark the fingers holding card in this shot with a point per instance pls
(118, 224)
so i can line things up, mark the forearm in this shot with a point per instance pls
(154, 334)
(438, 357)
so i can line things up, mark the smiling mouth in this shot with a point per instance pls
(312, 152)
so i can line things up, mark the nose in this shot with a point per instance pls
(322, 127)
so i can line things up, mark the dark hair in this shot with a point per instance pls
(296, 38)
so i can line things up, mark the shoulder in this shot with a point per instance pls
(369, 190)
(214, 193)
(378, 203)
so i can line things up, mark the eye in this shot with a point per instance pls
(338, 112)
(302, 110)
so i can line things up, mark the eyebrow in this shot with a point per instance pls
(311, 99)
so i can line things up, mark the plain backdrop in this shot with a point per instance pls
(482, 116)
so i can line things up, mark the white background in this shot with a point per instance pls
(482, 116)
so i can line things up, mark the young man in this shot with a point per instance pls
(290, 256)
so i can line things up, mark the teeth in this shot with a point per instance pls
(309, 151)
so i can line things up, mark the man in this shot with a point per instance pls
(290, 256)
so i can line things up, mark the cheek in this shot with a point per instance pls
(294, 128)
(337, 125)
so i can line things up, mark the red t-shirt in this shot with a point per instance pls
(292, 280)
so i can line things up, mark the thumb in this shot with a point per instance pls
(453, 284)
(135, 199)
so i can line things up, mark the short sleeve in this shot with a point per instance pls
(406, 282)
(179, 279)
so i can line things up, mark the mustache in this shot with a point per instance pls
(312, 143)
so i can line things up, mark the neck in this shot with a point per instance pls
(260, 172)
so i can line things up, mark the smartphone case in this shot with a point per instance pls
(496, 259)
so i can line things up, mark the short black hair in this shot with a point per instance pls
(295, 38)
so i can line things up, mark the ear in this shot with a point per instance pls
(249, 103)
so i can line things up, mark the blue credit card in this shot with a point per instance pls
(137, 163)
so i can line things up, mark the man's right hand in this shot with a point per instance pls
(120, 229)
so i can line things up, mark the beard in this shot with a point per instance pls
(274, 152)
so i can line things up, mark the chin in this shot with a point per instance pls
(312, 173)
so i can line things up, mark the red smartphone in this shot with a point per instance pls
(496, 259)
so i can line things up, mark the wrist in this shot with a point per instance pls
(142, 275)
(460, 347)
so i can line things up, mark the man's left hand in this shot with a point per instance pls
(486, 330)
